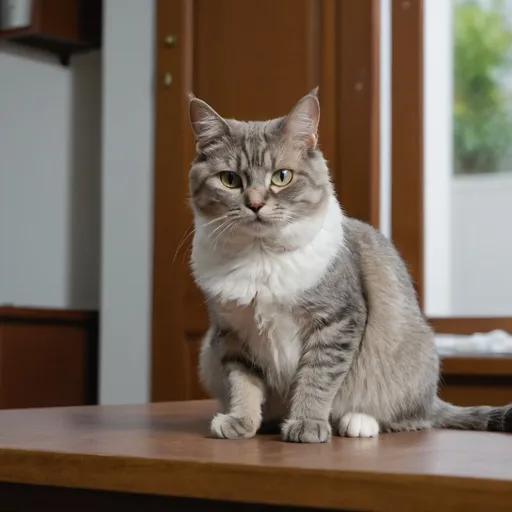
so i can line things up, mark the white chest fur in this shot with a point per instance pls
(254, 288)
(271, 334)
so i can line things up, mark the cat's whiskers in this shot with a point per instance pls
(230, 232)
(193, 229)
(185, 253)
(217, 238)
(216, 219)
(219, 227)
(185, 237)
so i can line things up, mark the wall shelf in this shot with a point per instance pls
(60, 27)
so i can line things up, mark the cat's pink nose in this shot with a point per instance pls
(255, 207)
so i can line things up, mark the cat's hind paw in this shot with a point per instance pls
(306, 431)
(356, 424)
(228, 426)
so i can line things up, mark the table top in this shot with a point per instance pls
(164, 449)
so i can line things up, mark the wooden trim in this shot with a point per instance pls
(469, 325)
(407, 135)
(358, 114)
(327, 83)
(173, 153)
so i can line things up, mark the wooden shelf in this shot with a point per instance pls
(479, 364)
(60, 27)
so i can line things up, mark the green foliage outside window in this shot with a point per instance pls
(482, 103)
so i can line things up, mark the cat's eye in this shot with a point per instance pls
(230, 179)
(282, 177)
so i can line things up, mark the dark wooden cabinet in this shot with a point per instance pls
(484, 379)
(48, 358)
(61, 27)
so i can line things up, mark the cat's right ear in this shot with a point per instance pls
(206, 123)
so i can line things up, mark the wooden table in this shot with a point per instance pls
(158, 457)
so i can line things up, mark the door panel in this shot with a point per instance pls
(249, 65)
(250, 59)
(253, 59)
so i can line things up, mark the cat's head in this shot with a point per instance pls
(262, 176)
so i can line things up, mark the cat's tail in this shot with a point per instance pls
(498, 419)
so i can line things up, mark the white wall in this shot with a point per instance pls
(49, 180)
(76, 168)
(482, 245)
(127, 198)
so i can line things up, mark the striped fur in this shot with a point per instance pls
(315, 326)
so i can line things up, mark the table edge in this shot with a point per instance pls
(302, 487)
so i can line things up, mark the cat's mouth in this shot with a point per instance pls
(257, 225)
(258, 220)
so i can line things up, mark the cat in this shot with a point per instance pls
(314, 322)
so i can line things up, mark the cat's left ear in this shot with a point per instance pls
(301, 123)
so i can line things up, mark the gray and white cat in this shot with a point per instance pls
(315, 325)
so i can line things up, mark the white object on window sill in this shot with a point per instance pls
(494, 342)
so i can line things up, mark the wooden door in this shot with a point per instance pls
(251, 59)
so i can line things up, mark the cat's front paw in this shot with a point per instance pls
(306, 431)
(228, 426)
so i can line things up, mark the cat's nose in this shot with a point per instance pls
(255, 207)
(255, 198)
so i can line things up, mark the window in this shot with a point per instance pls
(452, 158)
